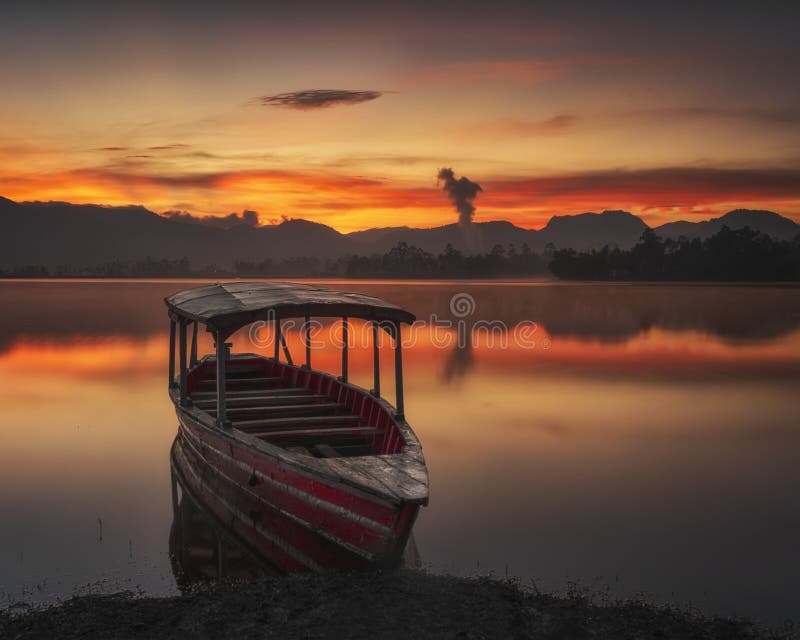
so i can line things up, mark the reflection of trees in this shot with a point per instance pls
(613, 312)
(600, 311)
(459, 362)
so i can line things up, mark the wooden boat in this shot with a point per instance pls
(312, 470)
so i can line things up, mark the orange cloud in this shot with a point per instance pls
(350, 202)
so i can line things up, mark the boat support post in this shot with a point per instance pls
(171, 353)
(183, 368)
(376, 361)
(398, 372)
(276, 355)
(308, 342)
(193, 357)
(345, 340)
(286, 353)
(223, 355)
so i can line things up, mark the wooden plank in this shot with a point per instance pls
(230, 380)
(245, 425)
(236, 304)
(322, 431)
(327, 450)
(283, 408)
(253, 392)
(270, 400)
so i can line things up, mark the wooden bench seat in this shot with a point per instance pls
(231, 380)
(263, 400)
(299, 421)
(321, 431)
(284, 408)
(251, 393)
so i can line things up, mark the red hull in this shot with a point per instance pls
(293, 519)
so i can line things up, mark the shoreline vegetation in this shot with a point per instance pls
(401, 604)
(740, 255)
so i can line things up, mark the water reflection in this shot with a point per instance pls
(655, 443)
(202, 548)
(599, 312)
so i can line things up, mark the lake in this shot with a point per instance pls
(630, 439)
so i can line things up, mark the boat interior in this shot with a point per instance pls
(299, 409)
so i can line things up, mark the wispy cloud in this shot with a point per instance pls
(778, 116)
(160, 147)
(317, 98)
(169, 147)
(524, 71)
(526, 128)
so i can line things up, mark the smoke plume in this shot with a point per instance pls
(461, 192)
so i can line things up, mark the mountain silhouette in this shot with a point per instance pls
(56, 234)
(591, 230)
(766, 222)
(63, 235)
(478, 237)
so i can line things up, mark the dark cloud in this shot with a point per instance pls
(244, 219)
(160, 147)
(461, 192)
(169, 147)
(317, 98)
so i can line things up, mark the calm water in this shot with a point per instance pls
(639, 438)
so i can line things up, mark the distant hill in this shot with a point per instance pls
(582, 231)
(766, 222)
(59, 234)
(479, 237)
(592, 230)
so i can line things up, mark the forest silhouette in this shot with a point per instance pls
(728, 255)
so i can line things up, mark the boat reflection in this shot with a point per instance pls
(221, 532)
(201, 550)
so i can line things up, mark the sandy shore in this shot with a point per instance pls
(404, 604)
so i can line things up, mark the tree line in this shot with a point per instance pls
(728, 255)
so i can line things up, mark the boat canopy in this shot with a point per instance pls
(227, 306)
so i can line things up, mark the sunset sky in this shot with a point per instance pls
(342, 113)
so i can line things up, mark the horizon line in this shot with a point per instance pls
(201, 219)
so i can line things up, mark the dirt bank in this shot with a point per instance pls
(405, 604)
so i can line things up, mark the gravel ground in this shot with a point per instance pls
(403, 604)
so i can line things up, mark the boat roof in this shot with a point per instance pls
(227, 306)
